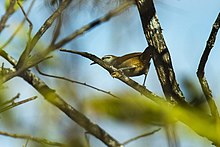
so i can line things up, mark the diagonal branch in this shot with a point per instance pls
(201, 69)
(161, 55)
(51, 96)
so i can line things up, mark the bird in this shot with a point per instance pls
(132, 64)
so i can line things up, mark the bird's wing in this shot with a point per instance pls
(122, 59)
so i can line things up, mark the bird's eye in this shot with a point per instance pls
(106, 57)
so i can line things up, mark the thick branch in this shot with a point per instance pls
(161, 55)
(201, 69)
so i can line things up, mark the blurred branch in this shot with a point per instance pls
(201, 69)
(14, 104)
(18, 28)
(51, 96)
(73, 81)
(161, 55)
(11, 100)
(140, 136)
(28, 137)
(10, 10)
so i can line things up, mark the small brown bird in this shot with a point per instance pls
(133, 64)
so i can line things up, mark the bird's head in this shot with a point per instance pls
(107, 59)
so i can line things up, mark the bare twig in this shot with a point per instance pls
(18, 28)
(28, 137)
(10, 101)
(201, 69)
(73, 81)
(14, 104)
(140, 136)
(10, 10)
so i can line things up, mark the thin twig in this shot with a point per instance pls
(16, 104)
(28, 137)
(28, 20)
(73, 81)
(18, 28)
(201, 69)
(11, 100)
(140, 136)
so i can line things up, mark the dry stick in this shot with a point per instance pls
(8, 13)
(51, 96)
(18, 28)
(140, 136)
(47, 24)
(201, 69)
(161, 55)
(73, 81)
(28, 137)
(14, 104)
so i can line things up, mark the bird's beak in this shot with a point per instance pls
(92, 63)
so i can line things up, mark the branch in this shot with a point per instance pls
(161, 55)
(28, 137)
(14, 104)
(73, 81)
(141, 136)
(10, 10)
(201, 69)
